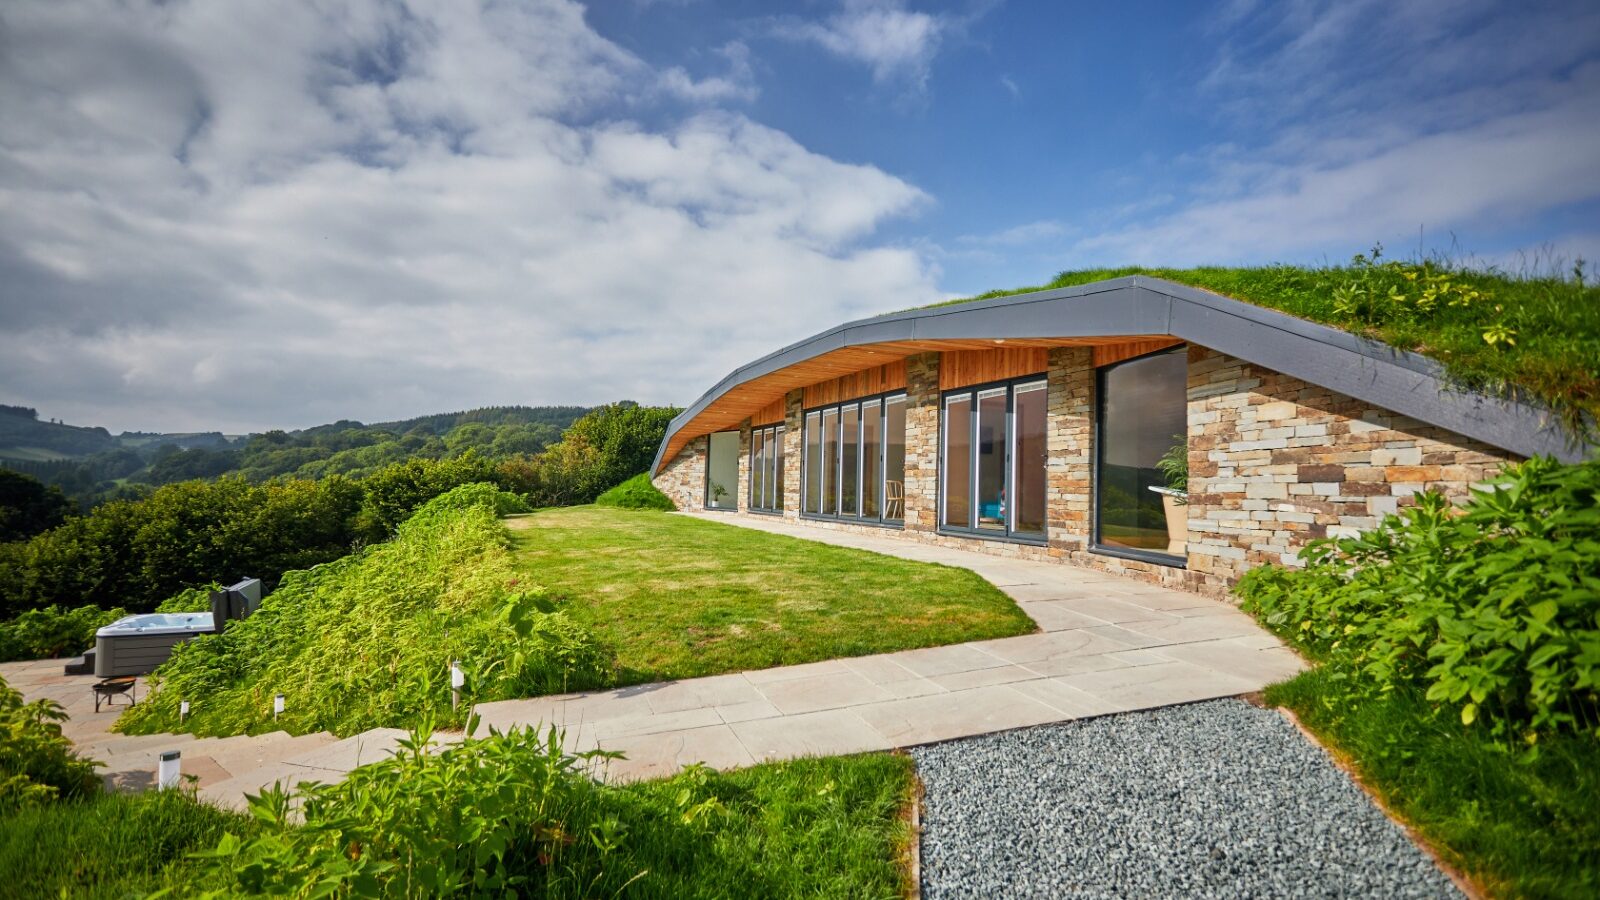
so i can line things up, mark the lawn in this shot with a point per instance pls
(677, 597)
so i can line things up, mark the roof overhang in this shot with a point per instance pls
(1132, 307)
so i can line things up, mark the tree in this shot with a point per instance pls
(28, 507)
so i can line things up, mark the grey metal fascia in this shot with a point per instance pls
(1404, 382)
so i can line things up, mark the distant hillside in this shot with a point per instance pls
(91, 465)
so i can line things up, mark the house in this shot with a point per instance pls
(1035, 425)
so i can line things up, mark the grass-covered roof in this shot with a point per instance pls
(1533, 336)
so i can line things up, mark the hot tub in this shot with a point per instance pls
(135, 645)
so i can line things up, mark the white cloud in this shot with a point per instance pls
(243, 217)
(738, 84)
(898, 44)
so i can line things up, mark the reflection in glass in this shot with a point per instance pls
(1031, 454)
(813, 455)
(830, 458)
(958, 461)
(850, 460)
(992, 460)
(1143, 411)
(722, 471)
(871, 463)
(775, 451)
(758, 469)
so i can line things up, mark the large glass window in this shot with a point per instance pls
(1143, 414)
(766, 468)
(813, 460)
(994, 460)
(855, 460)
(722, 471)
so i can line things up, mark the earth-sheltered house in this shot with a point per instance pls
(1059, 424)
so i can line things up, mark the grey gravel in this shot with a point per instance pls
(1216, 799)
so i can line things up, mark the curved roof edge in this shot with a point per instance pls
(1363, 368)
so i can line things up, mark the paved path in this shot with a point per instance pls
(1107, 644)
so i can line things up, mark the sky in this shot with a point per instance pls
(226, 216)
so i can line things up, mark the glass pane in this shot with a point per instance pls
(1031, 454)
(830, 456)
(722, 471)
(1143, 412)
(813, 460)
(871, 461)
(894, 458)
(850, 462)
(758, 469)
(992, 459)
(775, 448)
(958, 461)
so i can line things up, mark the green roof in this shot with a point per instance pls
(1533, 337)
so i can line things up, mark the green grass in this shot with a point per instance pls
(1524, 829)
(809, 828)
(677, 597)
(1555, 359)
(111, 845)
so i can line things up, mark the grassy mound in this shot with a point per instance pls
(367, 640)
(636, 493)
(1538, 336)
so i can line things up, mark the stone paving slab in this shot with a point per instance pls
(1105, 645)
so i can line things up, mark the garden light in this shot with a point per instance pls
(167, 772)
(277, 707)
(458, 680)
(183, 710)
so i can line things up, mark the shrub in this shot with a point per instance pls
(636, 493)
(37, 764)
(195, 599)
(1493, 609)
(53, 631)
(367, 640)
(600, 451)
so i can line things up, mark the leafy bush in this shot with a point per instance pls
(1493, 609)
(195, 599)
(396, 491)
(53, 631)
(367, 640)
(636, 493)
(37, 764)
(28, 507)
(599, 452)
(513, 815)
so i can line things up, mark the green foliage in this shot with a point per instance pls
(511, 814)
(195, 599)
(1493, 612)
(636, 493)
(53, 631)
(28, 507)
(110, 846)
(1531, 334)
(37, 764)
(600, 451)
(367, 640)
(1519, 827)
(395, 492)
(1174, 464)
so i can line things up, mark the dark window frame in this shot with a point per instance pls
(879, 521)
(772, 479)
(1095, 546)
(1008, 535)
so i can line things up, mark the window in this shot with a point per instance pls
(993, 460)
(1143, 411)
(722, 471)
(766, 468)
(855, 460)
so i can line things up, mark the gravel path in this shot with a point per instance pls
(1216, 799)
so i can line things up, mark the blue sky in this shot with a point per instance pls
(222, 216)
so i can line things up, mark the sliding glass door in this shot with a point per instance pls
(722, 470)
(1143, 415)
(766, 468)
(855, 460)
(993, 460)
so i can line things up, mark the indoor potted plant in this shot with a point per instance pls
(1174, 467)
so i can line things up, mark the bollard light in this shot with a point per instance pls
(183, 710)
(167, 772)
(277, 706)
(458, 678)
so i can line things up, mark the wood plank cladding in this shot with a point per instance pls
(890, 376)
(959, 368)
(771, 414)
(1106, 354)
